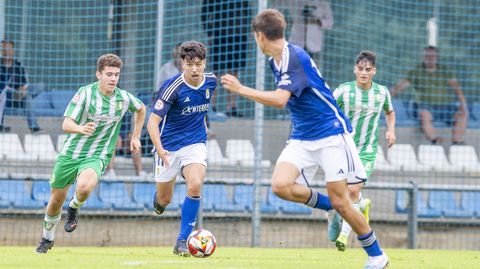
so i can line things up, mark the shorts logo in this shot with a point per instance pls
(159, 105)
(75, 98)
(340, 172)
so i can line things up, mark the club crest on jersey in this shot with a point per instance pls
(159, 105)
(207, 93)
(75, 98)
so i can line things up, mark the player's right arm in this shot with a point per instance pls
(73, 114)
(154, 132)
(70, 126)
(278, 98)
(167, 95)
(338, 95)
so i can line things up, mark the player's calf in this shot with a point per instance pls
(159, 209)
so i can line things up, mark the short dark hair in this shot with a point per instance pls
(366, 55)
(108, 60)
(8, 42)
(190, 50)
(271, 23)
(431, 48)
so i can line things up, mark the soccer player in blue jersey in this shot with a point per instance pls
(178, 130)
(320, 133)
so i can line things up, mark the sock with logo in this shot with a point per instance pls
(318, 200)
(49, 225)
(370, 244)
(189, 216)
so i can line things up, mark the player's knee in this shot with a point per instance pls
(194, 187)
(279, 189)
(164, 199)
(338, 202)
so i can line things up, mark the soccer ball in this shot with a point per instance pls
(201, 243)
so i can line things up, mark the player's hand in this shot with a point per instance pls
(391, 138)
(163, 155)
(135, 145)
(231, 83)
(88, 129)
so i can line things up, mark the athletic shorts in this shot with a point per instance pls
(196, 153)
(66, 170)
(368, 161)
(337, 155)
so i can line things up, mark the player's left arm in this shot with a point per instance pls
(390, 117)
(138, 120)
(453, 82)
(277, 98)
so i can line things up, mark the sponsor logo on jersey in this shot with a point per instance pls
(285, 80)
(159, 105)
(75, 98)
(195, 109)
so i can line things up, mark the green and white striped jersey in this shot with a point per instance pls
(90, 105)
(363, 108)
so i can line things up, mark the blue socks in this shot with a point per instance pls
(318, 200)
(370, 244)
(189, 216)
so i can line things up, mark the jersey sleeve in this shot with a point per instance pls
(387, 105)
(134, 104)
(76, 106)
(338, 95)
(292, 76)
(166, 97)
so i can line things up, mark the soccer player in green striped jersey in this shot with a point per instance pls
(363, 101)
(92, 121)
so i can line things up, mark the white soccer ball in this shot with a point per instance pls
(201, 243)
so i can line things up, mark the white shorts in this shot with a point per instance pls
(337, 155)
(196, 153)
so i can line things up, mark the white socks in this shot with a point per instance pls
(49, 225)
(75, 203)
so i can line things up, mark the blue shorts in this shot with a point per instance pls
(441, 112)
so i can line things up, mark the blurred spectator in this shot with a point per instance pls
(435, 99)
(309, 18)
(13, 87)
(227, 24)
(123, 149)
(170, 68)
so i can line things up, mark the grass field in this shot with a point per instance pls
(228, 258)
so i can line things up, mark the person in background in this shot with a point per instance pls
(439, 97)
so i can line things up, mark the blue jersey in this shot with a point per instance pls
(183, 109)
(314, 111)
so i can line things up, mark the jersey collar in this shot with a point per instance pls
(284, 59)
(195, 88)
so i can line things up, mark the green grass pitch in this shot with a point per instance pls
(227, 258)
